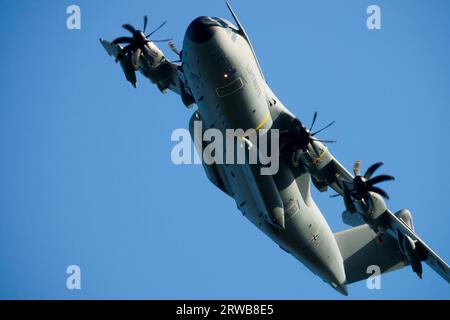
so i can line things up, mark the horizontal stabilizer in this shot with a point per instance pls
(361, 248)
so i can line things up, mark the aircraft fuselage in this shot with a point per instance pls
(225, 80)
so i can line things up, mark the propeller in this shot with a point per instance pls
(303, 136)
(362, 184)
(137, 42)
(174, 48)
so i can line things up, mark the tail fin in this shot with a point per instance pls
(361, 247)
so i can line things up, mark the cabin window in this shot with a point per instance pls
(230, 88)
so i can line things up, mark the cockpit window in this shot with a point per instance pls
(224, 23)
(230, 88)
(212, 21)
(220, 22)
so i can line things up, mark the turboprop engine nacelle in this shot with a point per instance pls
(153, 55)
(406, 216)
(413, 254)
(408, 246)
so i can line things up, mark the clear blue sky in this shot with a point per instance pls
(85, 170)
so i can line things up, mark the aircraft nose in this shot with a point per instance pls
(201, 29)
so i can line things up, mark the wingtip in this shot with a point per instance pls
(102, 42)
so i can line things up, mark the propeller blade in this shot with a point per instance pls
(379, 179)
(122, 40)
(163, 40)
(151, 33)
(336, 195)
(313, 120)
(326, 141)
(326, 127)
(129, 27)
(145, 23)
(381, 192)
(348, 198)
(136, 57)
(356, 168)
(124, 51)
(372, 169)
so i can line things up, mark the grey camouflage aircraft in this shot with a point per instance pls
(218, 72)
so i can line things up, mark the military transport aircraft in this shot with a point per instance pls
(219, 72)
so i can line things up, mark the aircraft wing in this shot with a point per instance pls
(113, 50)
(385, 220)
(126, 64)
(365, 205)
(398, 228)
(166, 75)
